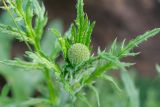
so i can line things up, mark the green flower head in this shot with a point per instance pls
(78, 53)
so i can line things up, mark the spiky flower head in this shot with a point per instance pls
(78, 53)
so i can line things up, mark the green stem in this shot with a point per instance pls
(37, 47)
(99, 71)
(50, 86)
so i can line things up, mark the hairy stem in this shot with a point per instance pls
(50, 86)
(99, 72)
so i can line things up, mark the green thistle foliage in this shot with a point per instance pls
(82, 28)
(75, 46)
(78, 53)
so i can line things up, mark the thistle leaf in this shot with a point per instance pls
(14, 32)
(41, 18)
(89, 33)
(80, 12)
(81, 30)
(22, 64)
(139, 39)
(43, 61)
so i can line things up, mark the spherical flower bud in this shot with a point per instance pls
(78, 53)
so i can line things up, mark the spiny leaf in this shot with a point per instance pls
(89, 33)
(62, 41)
(80, 12)
(98, 72)
(56, 32)
(41, 18)
(113, 47)
(112, 62)
(74, 33)
(81, 30)
(22, 64)
(115, 60)
(29, 13)
(132, 54)
(85, 24)
(39, 59)
(139, 39)
(14, 32)
(38, 62)
(19, 4)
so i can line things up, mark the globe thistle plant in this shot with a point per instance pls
(79, 67)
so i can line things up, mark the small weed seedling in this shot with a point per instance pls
(79, 67)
